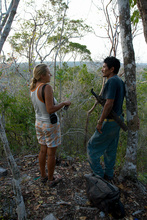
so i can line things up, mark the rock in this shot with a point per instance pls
(50, 217)
(102, 214)
(137, 212)
(3, 172)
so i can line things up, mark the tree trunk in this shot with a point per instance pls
(130, 166)
(142, 6)
(16, 175)
(5, 25)
(60, 40)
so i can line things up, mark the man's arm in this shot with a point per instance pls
(106, 111)
(112, 114)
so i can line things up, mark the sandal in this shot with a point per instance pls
(44, 179)
(55, 181)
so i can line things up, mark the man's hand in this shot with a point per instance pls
(106, 110)
(99, 127)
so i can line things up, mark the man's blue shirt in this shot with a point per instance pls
(115, 89)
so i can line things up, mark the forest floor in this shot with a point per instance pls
(68, 199)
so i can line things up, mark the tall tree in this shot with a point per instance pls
(142, 6)
(44, 32)
(130, 166)
(6, 20)
(60, 42)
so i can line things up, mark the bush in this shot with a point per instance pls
(19, 119)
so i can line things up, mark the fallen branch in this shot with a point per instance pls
(63, 203)
(87, 208)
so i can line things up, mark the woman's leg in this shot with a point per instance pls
(42, 160)
(51, 161)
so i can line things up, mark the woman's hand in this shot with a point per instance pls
(67, 103)
(50, 107)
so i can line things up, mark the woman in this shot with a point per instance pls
(48, 134)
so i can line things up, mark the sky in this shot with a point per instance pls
(94, 16)
(98, 46)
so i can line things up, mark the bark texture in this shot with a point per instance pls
(142, 6)
(16, 175)
(130, 166)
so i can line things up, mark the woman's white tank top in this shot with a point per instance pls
(39, 106)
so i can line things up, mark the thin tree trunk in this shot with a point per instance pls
(16, 175)
(6, 26)
(142, 6)
(130, 166)
(62, 29)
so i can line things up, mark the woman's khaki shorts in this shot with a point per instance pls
(48, 134)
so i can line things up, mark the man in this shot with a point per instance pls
(105, 139)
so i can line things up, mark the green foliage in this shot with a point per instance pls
(135, 16)
(142, 177)
(121, 150)
(62, 73)
(132, 3)
(142, 139)
(6, 101)
(141, 95)
(19, 119)
(84, 77)
(79, 47)
(142, 111)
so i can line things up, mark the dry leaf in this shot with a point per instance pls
(121, 186)
(37, 207)
(83, 218)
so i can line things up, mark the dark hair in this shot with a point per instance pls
(113, 62)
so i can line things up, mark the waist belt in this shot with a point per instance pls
(108, 120)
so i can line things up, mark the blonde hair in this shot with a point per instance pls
(38, 71)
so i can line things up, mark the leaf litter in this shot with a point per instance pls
(68, 199)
